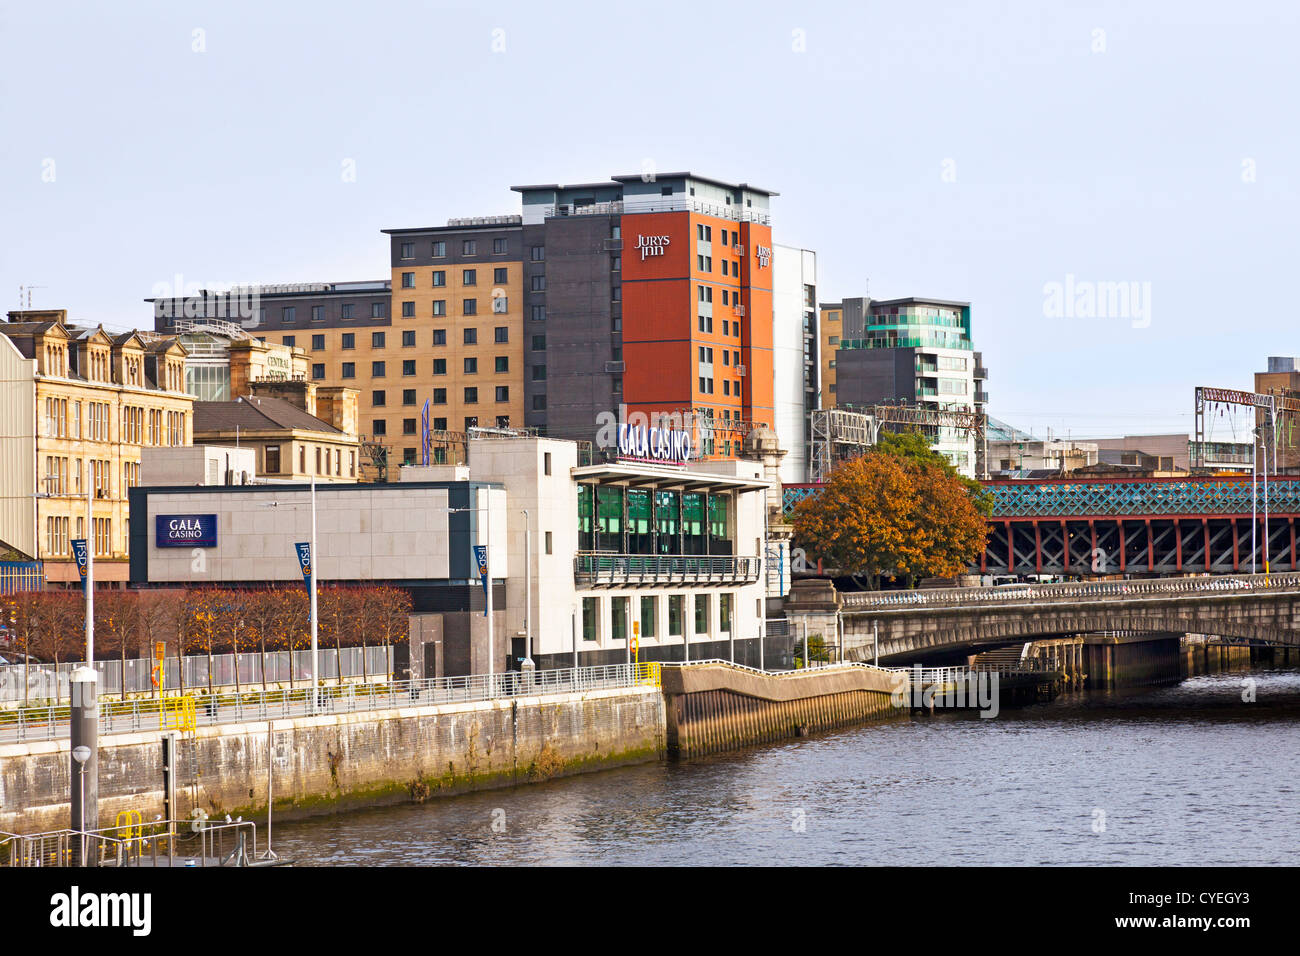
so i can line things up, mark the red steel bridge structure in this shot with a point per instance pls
(1133, 526)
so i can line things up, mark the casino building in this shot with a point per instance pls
(646, 556)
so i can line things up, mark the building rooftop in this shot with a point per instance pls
(256, 414)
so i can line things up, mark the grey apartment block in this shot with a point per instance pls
(870, 376)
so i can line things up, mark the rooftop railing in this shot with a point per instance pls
(594, 569)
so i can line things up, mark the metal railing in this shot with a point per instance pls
(591, 569)
(173, 713)
(196, 842)
(1022, 593)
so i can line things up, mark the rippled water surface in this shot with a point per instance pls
(1176, 775)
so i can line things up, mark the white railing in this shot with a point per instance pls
(1020, 593)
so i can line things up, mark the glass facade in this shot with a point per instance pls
(590, 608)
(676, 610)
(649, 612)
(640, 521)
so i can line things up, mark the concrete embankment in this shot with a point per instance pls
(710, 709)
(328, 763)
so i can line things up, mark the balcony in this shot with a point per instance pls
(603, 569)
(981, 397)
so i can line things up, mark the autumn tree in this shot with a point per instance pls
(899, 510)
(117, 623)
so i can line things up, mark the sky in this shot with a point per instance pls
(1112, 186)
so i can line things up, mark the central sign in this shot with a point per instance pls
(651, 245)
(185, 531)
(655, 444)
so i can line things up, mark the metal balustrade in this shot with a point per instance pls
(1021, 593)
(596, 569)
(197, 842)
(166, 713)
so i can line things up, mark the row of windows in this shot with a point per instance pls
(468, 277)
(501, 363)
(379, 340)
(618, 624)
(468, 247)
(63, 476)
(380, 428)
(138, 426)
(289, 313)
(58, 540)
(440, 397)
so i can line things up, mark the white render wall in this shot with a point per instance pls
(791, 269)
(17, 448)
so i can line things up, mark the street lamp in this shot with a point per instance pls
(81, 755)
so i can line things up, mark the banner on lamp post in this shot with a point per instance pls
(81, 552)
(304, 560)
(480, 559)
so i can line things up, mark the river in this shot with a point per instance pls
(1185, 774)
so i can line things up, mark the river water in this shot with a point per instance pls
(1186, 774)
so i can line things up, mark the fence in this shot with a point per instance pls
(46, 682)
(172, 713)
(18, 576)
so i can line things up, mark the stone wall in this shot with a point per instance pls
(333, 762)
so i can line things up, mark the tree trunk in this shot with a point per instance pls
(262, 657)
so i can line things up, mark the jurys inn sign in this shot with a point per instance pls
(655, 444)
(651, 245)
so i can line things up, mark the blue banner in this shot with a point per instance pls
(185, 531)
(425, 437)
(304, 559)
(480, 558)
(81, 553)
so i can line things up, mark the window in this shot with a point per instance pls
(287, 340)
(538, 283)
(546, 463)
(408, 426)
(469, 307)
(317, 343)
(318, 313)
(502, 364)
(618, 618)
(408, 396)
(376, 340)
(469, 277)
(724, 613)
(377, 369)
(539, 373)
(408, 456)
(471, 336)
(537, 253)
(471, 421)
(502, 334)
(408, 280)
(288, 314)
(408, 250)
(538, 313)
(500, 276)
(665, 190)
(548, 542)
(271, 460)
(440, 396)
(408, 338)
(376, 312)
(439, 250)
(380, 427)
(503, 393)
(499, 247)
(675, 605)
(349, 311)
(701, 614)
(349, 340)
(439, 278)
(539, 403)
(469, 247)
(471, 366)
(439, 366)
(439, 307)
(616, 294)
(377, 398)
(539, 343)
(439, 336)
(615, 263)
(349, 370)
(440, 424)
(318, 371)
(649, 605)
(471, 396)
(590, 608)
(616, 384)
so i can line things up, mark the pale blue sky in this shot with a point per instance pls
(1124, 164)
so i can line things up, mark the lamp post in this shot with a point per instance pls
(487, 568)
(83, 717)
(79, 757)
(311, 587)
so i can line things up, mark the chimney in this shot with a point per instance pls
(337, 404)
(301, 394)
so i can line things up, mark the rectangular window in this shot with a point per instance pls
(503, 393)
(440, 396)
(470, 336)
(377, 369)
(376, 340)
(546, 463)
(318, 313)
(408, 366)
(378, 398)
(590, 607)
(548, 542)
(724, 613)
(439, 336)
(287, 340)
(502, 363)
(469, 307)
(539, 373)
(380, 427)
(439, 366)
(408, 338)
(317, 371)
(538, 313)
(468, 247)
(408, 280)
(538, 283)
(618, 618)
(349, 311)
(288, 314)
(471, 366)
(439, 307)
(469, 277)
(271, 460)
(499, 247)
(349, 340)
(408, 426)
(440, 424)
(439, 250)
(408, 250)
(537, 253)
(539, 403)
(471, 396)
(349, 370)
(376, 312)
(675, 614)
(701, 614)
(408, 396)
(649, 610)
(408, 310)
(500, 276)
(539, 343)
(502, 334)
(471, 421)
(439, 278)
(317, 343)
